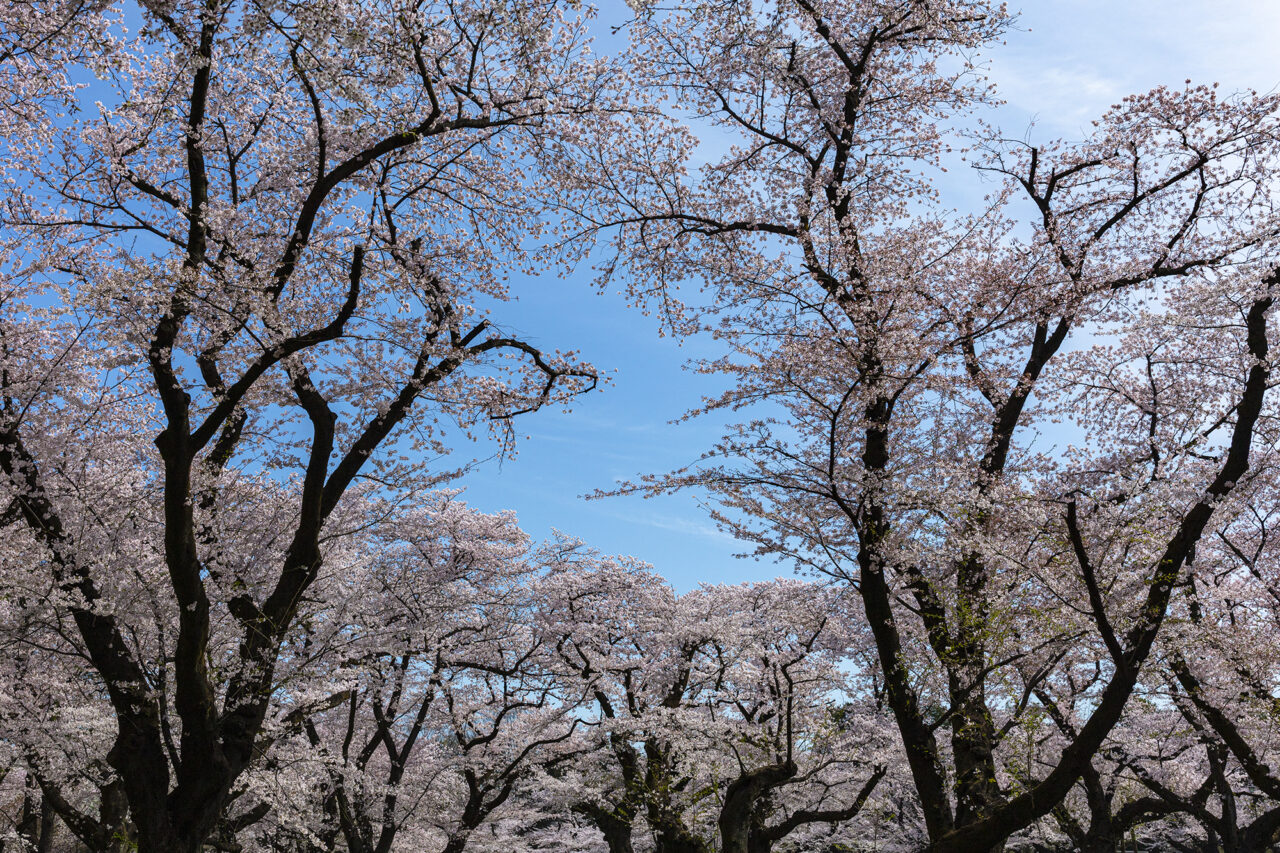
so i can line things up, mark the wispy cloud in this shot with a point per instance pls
(1081, 56)
(674, 523)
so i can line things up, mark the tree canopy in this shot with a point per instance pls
(257, 267)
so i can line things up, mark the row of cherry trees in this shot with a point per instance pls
(256, 259)
(465, 689)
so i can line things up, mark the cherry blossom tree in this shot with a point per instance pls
(799, 734)
(737, 712)
(621, 633)
(906, 360)
(448, 708)
(269, 252)
(1111, 802)
(1219, 673)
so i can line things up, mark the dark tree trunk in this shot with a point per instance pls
(614, 823)
(37, 823)
(618, 836)
(740, 819)
(670, 834)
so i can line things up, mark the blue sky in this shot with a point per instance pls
(1068, 62)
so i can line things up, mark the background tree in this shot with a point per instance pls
(728, 717)
(452, 707)
(624, 640)
(788, 691)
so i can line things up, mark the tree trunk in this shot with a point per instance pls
(618, 837)
(739, 815)
(37, 824)
(670, 835)
(614, 823)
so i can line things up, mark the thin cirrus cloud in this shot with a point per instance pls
(1076, 58)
